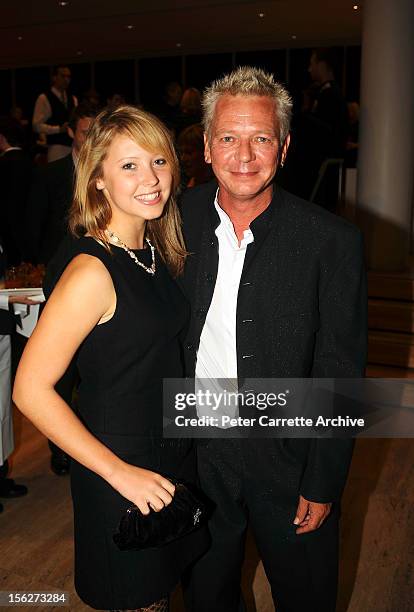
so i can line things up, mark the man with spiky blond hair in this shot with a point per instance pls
(277, 287)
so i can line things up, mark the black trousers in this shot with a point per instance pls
(4, 469)
(301, 569)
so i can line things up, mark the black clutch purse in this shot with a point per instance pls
(184, 514)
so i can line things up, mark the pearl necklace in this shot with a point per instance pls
(151, 269)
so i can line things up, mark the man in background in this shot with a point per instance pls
(169, 110)
(15, 176)
(52, 111)
(319, 133)
(329, 106)
(52, 190)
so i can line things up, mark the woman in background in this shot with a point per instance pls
(190, 146)
(117, 305)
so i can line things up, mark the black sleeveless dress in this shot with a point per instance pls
(122, 363)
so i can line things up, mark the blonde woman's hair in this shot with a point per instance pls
(248, 81)
(91, 213)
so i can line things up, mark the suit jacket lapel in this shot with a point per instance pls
(207, 269)
(261, 228)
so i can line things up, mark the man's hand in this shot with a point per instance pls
(23, 299)
(310, 515)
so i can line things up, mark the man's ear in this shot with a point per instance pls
(285, 149)
(100, 185)
(207, 154)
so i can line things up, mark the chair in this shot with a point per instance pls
(332, 162)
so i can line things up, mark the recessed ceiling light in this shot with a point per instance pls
(79, 52)
(261, 15)
(130, 26)
(355, 7)
(20, 38)
(294, 36)
(63, 2)
(178, 44)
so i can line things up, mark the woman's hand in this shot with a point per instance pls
(142, 487)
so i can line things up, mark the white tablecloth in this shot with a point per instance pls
(6, 420)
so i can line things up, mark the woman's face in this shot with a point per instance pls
(136, 182)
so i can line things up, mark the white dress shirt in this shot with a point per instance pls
(216, 366)
(6, 420)
(42, 112)
(217, 354)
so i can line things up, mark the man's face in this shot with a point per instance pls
(79, 135)
(244, 147)
(174, 94)
(62, 79)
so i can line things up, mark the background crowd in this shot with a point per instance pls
(38, 153)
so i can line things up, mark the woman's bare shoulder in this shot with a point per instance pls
(86, 269)
(87, 280)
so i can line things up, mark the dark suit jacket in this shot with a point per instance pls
(301, 312)
(15, 176)
(48, 206)
(6, 322)
(331, 109)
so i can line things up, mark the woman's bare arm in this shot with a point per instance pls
(83, 297)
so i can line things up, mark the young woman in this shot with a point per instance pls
(116, 304)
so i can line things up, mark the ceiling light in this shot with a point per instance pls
(130, 26)
(63, 2)
(79, 52)
(20, 38)
(355, 7)
(178, 45)
(294, 37)
(261, 15)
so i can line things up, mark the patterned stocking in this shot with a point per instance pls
(158, 606)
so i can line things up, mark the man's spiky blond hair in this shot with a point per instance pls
(248, 81)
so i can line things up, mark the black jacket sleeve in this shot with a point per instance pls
(341, 352)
